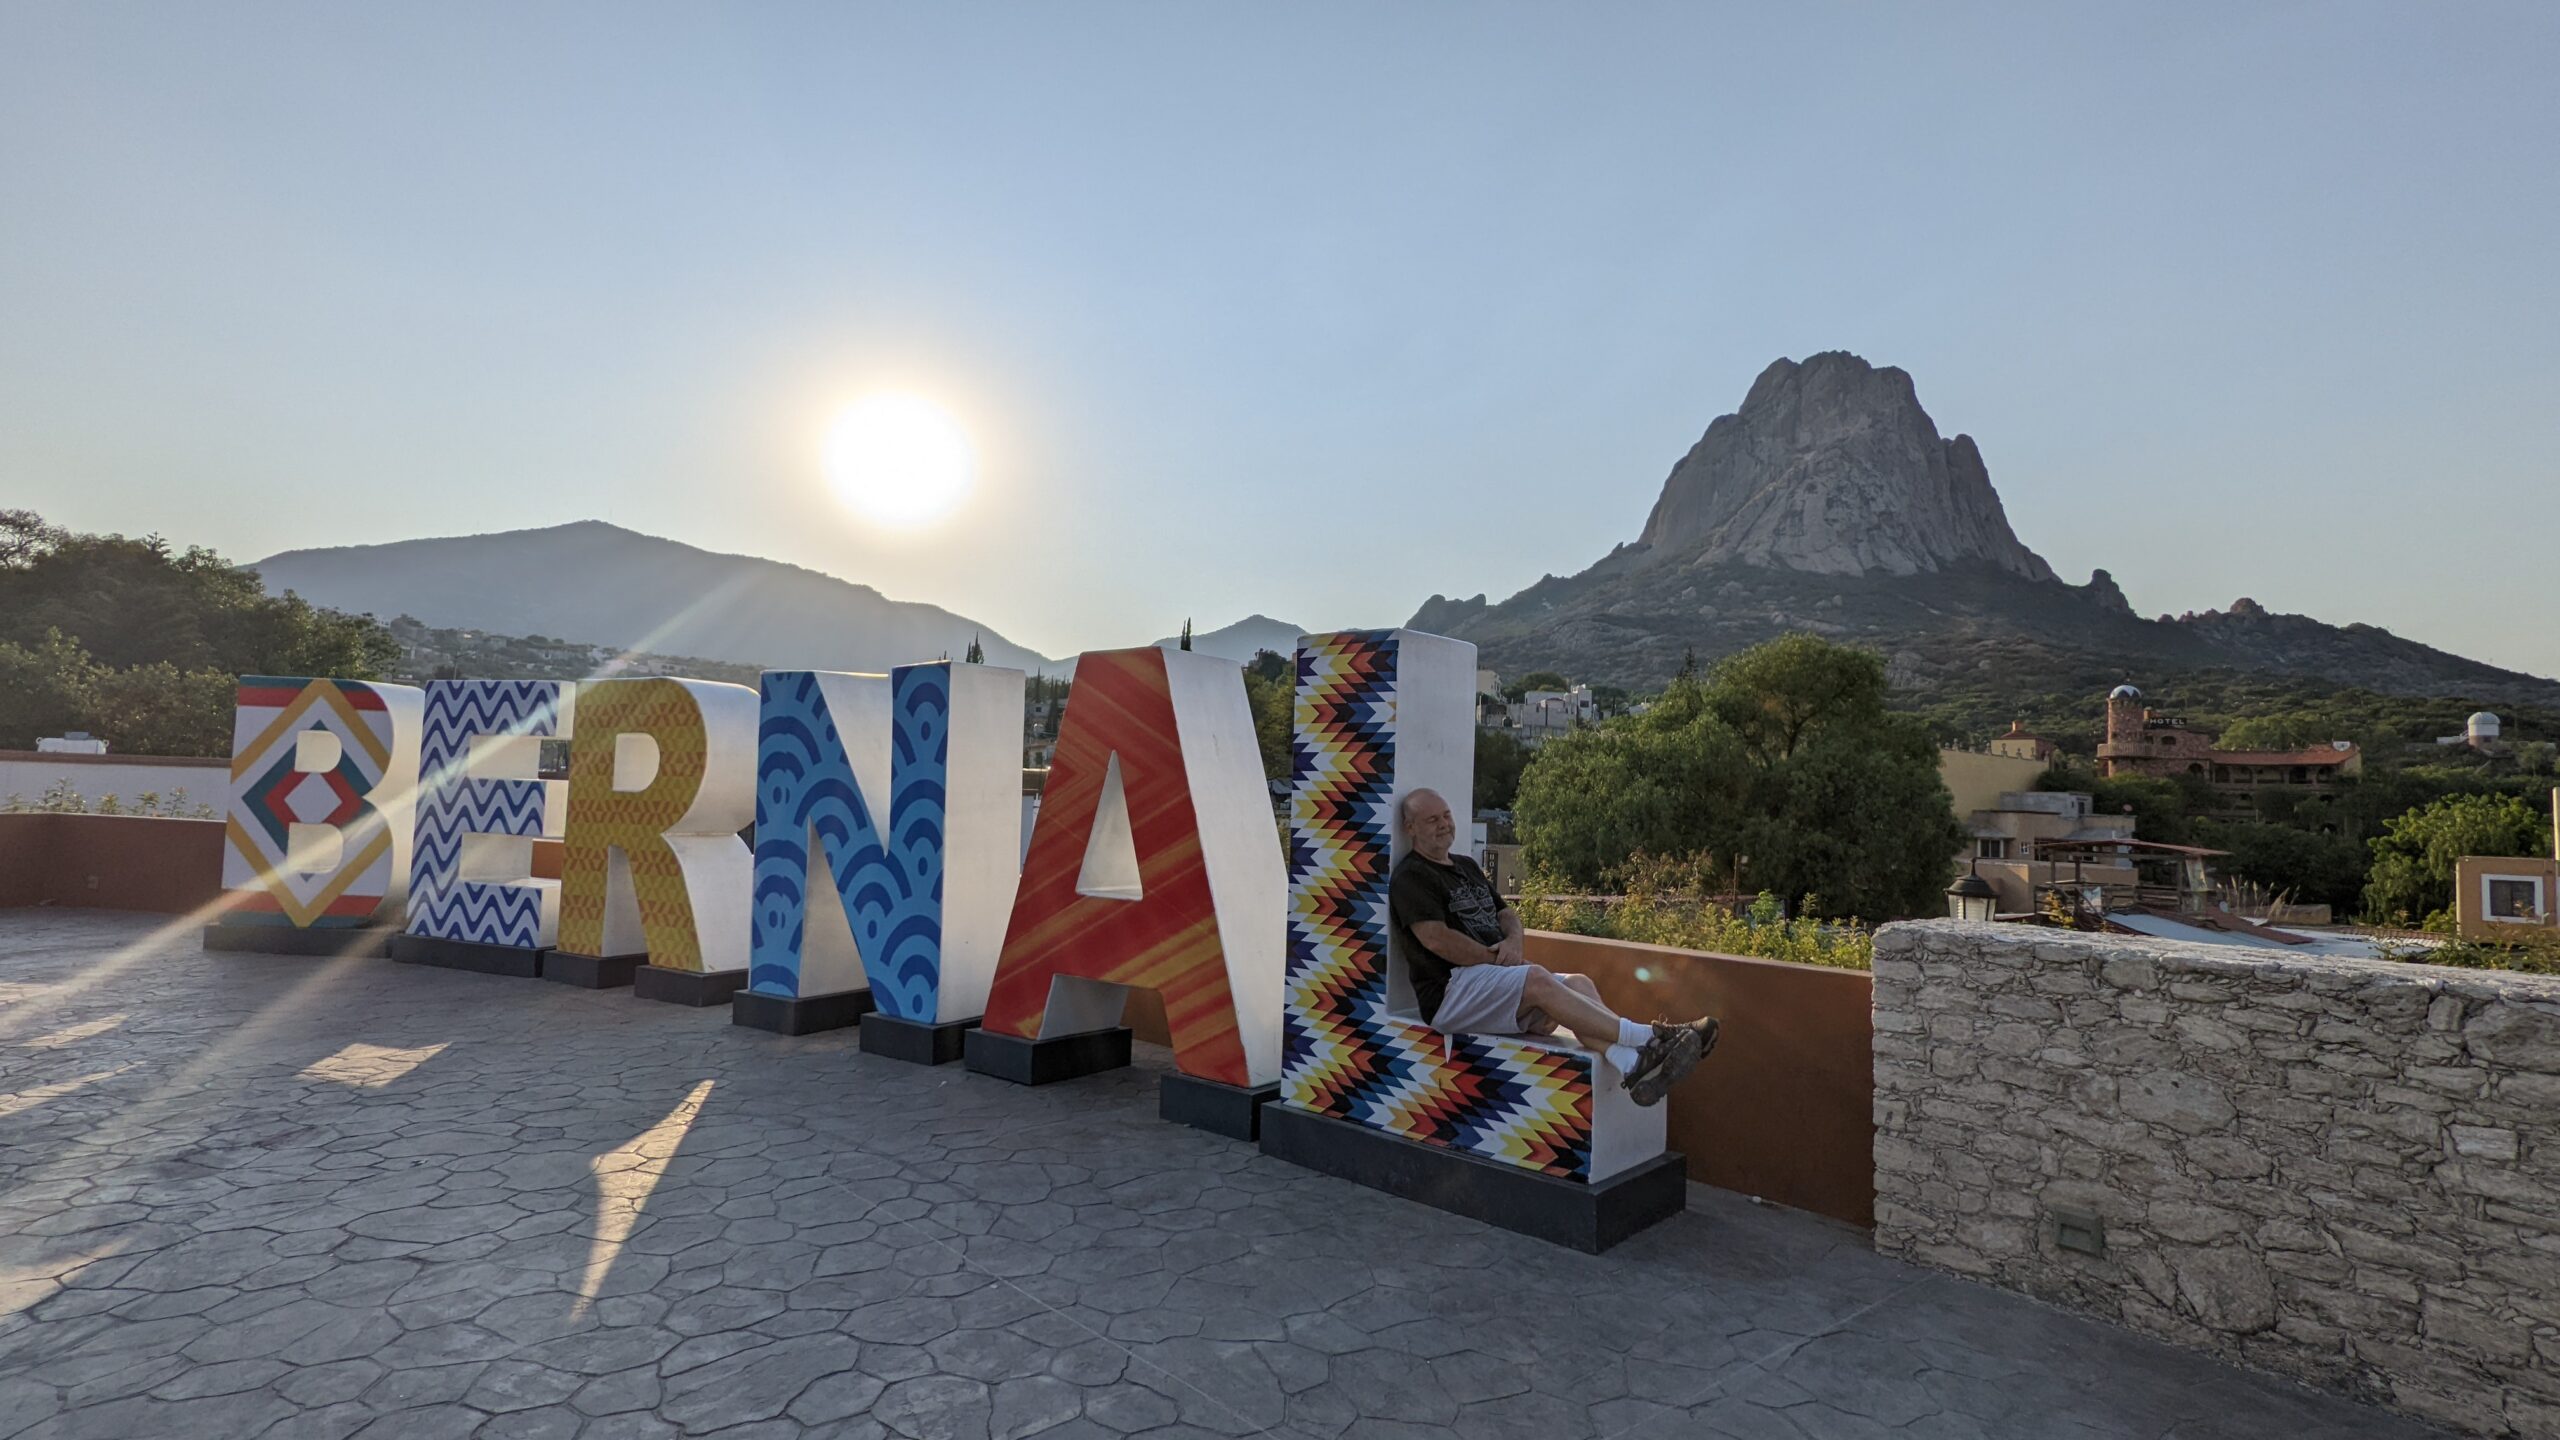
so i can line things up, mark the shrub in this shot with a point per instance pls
(2536, 954)
(1663, 901)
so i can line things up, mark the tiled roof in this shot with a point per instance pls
(2310, 755)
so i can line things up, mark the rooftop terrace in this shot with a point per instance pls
(246, 1196)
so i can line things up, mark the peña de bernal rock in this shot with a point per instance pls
(1829, 503)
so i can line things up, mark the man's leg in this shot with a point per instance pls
(1576, 1007)
(1651, 1057)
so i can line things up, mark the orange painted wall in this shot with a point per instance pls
(1784, 1110)
(110, 862)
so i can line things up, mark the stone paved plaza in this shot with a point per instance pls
(247, 1195)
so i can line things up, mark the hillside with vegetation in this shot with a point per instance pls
(142, 644)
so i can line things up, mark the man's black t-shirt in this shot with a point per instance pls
(1458, 896)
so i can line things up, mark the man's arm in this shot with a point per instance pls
(1456, 946)
(1514, 949)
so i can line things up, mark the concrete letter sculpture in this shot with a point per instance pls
(473, 901)
(315, 854)
(661, 780)
(888, 837)
(1379, 714)
(1155, 865)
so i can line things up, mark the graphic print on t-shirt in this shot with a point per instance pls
(1472, 905)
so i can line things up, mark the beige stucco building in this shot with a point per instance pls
(2503, 898)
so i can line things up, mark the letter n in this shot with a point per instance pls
(907, 900)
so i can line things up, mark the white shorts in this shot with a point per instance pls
(1485, 1000)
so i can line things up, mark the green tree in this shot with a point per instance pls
(153, 637)
(1186, 632)
(45, 689)
(1783, 768)
(1519, 689)
(2311, 866)
(1273, 702)
(1500, 759)
(2413, 858)
(1273, 666)
(25, 537)
(159, 709)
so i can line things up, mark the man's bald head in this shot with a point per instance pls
(1425, 819)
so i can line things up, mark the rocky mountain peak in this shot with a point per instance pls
(1832, 467)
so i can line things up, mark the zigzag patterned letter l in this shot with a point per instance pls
(661, 780)
(1199, 918)
(471, 878)
(908, 901)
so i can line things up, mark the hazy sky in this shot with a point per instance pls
(1313, 310)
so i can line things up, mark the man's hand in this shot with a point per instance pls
(1512, 951)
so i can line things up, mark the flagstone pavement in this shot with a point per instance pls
(247, 1195)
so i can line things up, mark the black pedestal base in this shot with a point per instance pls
(799, 1014)
(1589, 1218)
(918, 1042)
(369, 943)
(1230, 1110)
(1045, 1062)
(591, 972)
(700, 989)
(467, 955)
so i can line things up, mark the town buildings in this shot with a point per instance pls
(2144, 741)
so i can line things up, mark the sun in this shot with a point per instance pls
(899, 459)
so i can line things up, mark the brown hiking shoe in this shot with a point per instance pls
(1707, 1029)
(1671, 1052)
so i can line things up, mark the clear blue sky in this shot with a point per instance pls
(1306, 309)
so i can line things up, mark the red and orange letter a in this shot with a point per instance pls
(1155, 865)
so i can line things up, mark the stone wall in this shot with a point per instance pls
(2346, 1171)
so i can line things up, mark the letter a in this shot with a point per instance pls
(1156, 759)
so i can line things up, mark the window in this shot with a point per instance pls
(1991, 847)
(2512, 899)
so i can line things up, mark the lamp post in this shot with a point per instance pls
(1971, 897)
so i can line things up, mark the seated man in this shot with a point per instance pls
(1471, 970)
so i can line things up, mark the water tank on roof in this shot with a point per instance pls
(2481, 726)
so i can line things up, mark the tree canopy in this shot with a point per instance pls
(141, 645)
(1270, 689)
(1519, 689)
(1781, 770)
(2413, 858)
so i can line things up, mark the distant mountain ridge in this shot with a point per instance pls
(595, 583)
(1241, 641)
(599, 583)
(1829, 503)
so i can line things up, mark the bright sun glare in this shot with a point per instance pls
(899, 459)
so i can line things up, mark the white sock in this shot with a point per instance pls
(1622, 1056)
(1633, 1035)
